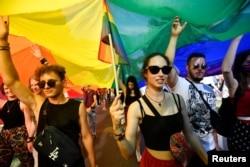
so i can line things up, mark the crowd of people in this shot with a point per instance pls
(21, 112)
(234, 82)
(71, 115)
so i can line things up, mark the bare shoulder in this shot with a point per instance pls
(134, 109)
(22, 105)
(2, 102)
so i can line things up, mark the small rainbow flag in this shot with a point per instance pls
(108, 27)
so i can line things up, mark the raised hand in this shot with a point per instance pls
(177, 28)
(4, 29)
(35, 50)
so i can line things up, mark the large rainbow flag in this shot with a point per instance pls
(71, 31)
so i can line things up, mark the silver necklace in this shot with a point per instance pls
(159, 102)
(10, 107)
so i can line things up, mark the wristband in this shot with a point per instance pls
(120, 136)
(30, 139)
(6, 47)
(43, 61)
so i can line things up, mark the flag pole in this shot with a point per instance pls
(116, 79)
(113, 63)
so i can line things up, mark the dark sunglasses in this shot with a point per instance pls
(203, 66)
(155, 69)
(51, 83)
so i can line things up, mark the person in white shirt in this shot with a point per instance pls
(198, 112)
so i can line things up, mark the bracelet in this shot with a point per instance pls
(30, 139)
(5, 47)
(120, 136)
(43, 61)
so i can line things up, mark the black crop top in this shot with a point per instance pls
(65, 117)
(157, 130)
(130, 99)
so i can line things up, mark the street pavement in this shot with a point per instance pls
(106, 149)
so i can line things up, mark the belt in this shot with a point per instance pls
(243, 118)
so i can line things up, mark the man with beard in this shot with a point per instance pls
(198, 112)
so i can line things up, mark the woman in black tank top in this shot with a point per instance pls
(156, 128)
(16, 117)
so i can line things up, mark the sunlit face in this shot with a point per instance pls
(158, 79)
(8, 92)
(34, 86)
(51, 85)
(196, 69)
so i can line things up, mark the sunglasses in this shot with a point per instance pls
(51, 83)
(155, 69)
(203, 66)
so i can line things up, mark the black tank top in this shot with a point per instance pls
(130, 99)
(12, 115)
(158, 130)
(65, 117)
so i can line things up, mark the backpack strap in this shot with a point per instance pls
(42, 120)
(205, 102)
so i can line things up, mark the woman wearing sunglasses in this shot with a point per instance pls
(155, 70)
